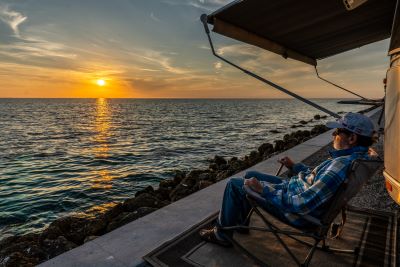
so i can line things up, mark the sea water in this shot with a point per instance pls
(59, 156)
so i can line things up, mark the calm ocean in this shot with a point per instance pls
(65, 155)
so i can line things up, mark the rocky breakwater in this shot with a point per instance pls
(69, 232)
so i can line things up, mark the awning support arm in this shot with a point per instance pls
(338, 86)
(203, 19)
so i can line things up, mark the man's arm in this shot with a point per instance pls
(294, 167)
(302, 198)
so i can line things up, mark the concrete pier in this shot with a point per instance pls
(127, 245)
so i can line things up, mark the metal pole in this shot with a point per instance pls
(203, 19)
(338, 86)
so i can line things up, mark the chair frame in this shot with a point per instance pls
(322, 227)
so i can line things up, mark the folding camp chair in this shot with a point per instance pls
(318, 229)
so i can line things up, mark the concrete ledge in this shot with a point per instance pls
(127, 245)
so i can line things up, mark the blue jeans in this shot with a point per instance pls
(235, 205)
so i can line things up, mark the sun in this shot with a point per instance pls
(100, 82)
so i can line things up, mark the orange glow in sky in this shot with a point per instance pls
(134, 56)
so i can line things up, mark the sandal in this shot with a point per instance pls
(208, 235)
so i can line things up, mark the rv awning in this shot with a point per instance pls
(305, 30)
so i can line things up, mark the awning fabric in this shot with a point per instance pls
(395, 40)
(306, 30)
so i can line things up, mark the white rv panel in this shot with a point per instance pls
(392, 130)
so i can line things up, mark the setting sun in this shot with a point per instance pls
(101, 82)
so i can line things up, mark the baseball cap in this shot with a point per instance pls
(354, 122)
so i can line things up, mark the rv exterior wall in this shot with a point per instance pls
(392, 129)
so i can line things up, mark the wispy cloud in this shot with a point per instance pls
(217, 65)
(153, 17)
(36, 48)
(158, 59)
(12, 18)
(207, 5)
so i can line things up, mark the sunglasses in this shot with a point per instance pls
(341, 131)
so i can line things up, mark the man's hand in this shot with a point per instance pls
(288, 162)
(254, 184)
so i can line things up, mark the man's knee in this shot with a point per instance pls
(236, 182)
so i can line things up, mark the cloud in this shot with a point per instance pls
(157, 59)
(12, 18)
(153, 17)
(36, 48)
(207, 5)
(153, 84)
(217, 65)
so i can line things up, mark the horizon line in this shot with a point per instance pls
(177, 98)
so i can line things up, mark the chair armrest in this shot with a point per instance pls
(254, 195)
(260, 200)
(311, 219)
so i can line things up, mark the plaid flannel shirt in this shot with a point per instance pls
(309, 189)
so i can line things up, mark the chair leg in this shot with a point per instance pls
(310, 254)
(276, 232)
(277, 236)
(327, 248)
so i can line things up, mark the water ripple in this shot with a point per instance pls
(65, 155)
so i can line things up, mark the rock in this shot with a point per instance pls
(7, 241)
(163, 193)
(318, 129)
(223, 167)
(18, 259)
(52, 232)
(265, 148)
(317, 117)
(236, 165)
(147, 190)
(287, 137)
(204, 184)
(90, 238)
(223, 174)
(194, 175)
(143, 200)
(185, 188)
(55, 247)
(127, 217)
(204, 176)
(279, 145)
(75, 228)
(18, 243)
(21, 250)
(306, 133)
(4, 237)
(179, 176)
(167, 183)
(213, 166)
(219, 160)
(254, 157)
(274, 131)
(291, 144)
(113, 212)
(302, 122)
(23, 246)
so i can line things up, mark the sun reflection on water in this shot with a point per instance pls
(102, 177)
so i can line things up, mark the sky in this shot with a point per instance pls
(155, 49)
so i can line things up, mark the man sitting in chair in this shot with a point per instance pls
(304, 193)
